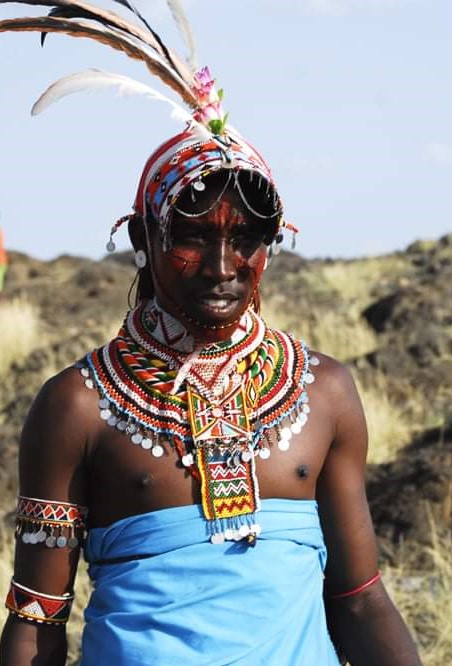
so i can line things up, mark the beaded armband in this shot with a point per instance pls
(38, 607)
(57, 524)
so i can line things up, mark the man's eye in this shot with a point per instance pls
(189, 239)
(247, 240)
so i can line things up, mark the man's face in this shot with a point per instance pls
(214, 266)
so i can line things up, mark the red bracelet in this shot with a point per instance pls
(357, 590)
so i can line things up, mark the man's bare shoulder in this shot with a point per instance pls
(335, 386)
(333, 373)
(64, 395)
(62, 418)
(56, 438)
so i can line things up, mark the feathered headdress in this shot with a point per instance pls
(207, 144)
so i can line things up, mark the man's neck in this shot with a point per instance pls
(171, 331)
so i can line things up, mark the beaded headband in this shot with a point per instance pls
(184, 160)
(207, 144)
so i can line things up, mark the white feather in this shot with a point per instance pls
(94, 80)
(182, 23)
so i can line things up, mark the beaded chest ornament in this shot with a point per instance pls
(216, 406)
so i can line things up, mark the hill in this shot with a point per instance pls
(389, 318)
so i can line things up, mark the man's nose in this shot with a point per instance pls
(220, 262)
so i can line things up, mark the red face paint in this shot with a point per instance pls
(214, 266)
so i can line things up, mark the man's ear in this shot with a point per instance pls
(137, 233)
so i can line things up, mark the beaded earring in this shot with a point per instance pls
(111, 245)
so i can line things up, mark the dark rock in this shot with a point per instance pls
(378, 314)
(406, 494)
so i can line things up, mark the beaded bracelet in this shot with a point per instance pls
(357, 590)
(38, 607)
(57, 524)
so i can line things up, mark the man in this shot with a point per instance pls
(214, 462)
(199, 406)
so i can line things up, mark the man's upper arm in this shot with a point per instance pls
(51, 467)
(346, 521)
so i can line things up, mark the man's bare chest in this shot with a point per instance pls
(125, 479)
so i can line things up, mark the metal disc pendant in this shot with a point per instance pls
(72, 542)
(199, 186)
(244, 530)
(187, 460)
(157, 451)
(296, 427)
(284, 445)
(137, 438)
(217, 538)
(286, 433)
(61, 541)
(104, 403)
(264, 454)
(303, 418)
(146, 443)
(50, 542)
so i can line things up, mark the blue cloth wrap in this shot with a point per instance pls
(195, 603)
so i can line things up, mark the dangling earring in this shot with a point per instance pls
(111, 245)
(277, 243)
(140, 259)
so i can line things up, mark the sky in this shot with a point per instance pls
(350, 102)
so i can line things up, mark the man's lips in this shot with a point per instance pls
(217, 301)
(219, 295)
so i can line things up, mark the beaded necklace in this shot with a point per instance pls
(216, 406)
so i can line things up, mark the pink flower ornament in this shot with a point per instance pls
(210, 111)
(204, 85)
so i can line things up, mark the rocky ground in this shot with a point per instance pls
(404, 298)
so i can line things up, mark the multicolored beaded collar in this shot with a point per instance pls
(216, 406)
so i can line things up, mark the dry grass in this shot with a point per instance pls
(389, 426)
(328, 332)
(331, 335)
(20, 331)
(353, 280)
(425, 597)
(6, 566)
